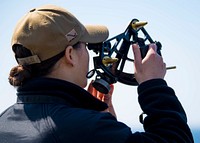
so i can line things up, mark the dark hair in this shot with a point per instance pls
(21, 73)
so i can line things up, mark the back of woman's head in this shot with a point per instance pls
(23, 72)
(41, 37)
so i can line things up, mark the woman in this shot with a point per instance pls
(52, 106)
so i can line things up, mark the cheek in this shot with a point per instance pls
(84, 69)
(88, 58)
(84, 60)
(85, 66)
(85, 57)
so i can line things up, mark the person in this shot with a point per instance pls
(53, 106)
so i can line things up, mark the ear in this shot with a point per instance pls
(70, 56)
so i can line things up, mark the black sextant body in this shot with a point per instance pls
(113, 54)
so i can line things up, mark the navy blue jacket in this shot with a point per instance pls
(55, 111)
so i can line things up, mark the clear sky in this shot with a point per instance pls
(174, 23)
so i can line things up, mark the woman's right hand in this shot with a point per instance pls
(151, 67)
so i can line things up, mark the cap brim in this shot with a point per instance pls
(95, 34)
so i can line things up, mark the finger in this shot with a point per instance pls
(111, 90)
(136, 53)
(90, 88)
(95, 93)
(108, 96)
(153, 46)
(100, 95)
(152, 49)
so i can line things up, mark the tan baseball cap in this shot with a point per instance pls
(46, 31)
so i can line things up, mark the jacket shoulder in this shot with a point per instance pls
(77, 124)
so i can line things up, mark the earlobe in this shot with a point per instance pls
(69, 55)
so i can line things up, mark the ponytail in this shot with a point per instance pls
(21, 73)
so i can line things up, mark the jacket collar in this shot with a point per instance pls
(71, 93)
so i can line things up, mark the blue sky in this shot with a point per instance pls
(174, 23)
